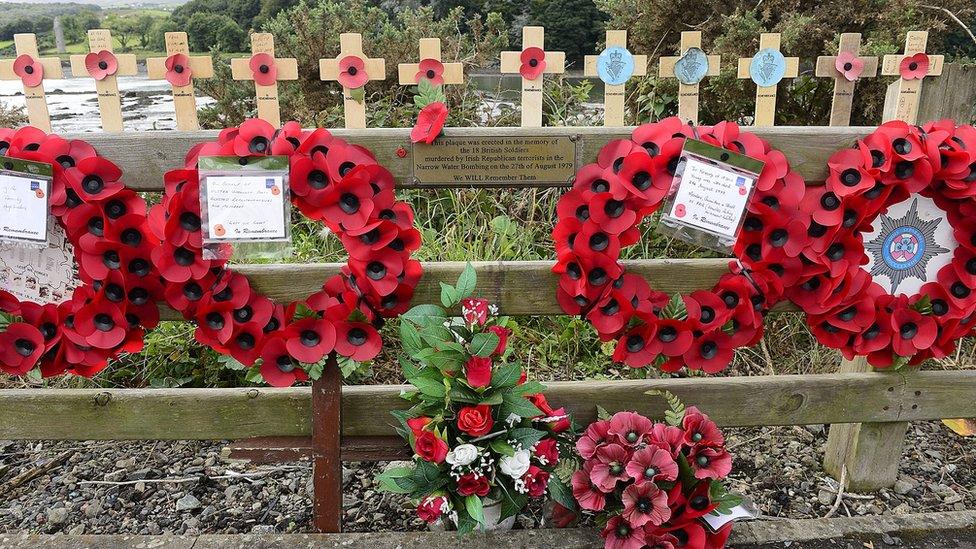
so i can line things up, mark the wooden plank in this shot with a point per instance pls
(145, 156)
(867, 454)
(218, 414)
(327, 441)
(513, 285)
(950, 95)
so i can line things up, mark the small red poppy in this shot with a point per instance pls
(101, 64)
(178, 71)
(352, 72)
(278, 368)
(29, 69)
(263, 69)
(914, 67)
(430, 122)
(849, 65)
(432, 70)
(310, 340)
(21, 347)
(533, 63)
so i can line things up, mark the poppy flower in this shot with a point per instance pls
(664, 541)
(350, 202)
(850, 66)
(912, 331)
(711, 352)
(278, 367)
(645, 503)
(710, 462)
(352, 72)
(533, 63)
(430, 122)
(246, 343)
(848, 174)
(101, 323)
(179, 264)
(101, 65)
(610, 467)
(653, 464)
(619, 534)
(635, 173)
(636, 348)
(610, 315)
(309, 340)
(380, 272)
(700, 429)
(630, 428)
(21, 347)
(263, 69)
(95, 178)
(652, 137)
(589, 496)
(596, 435)
(254, 138)
(823, 206)
(29, 70)
(914, 67)
(357, 340)
(309, 180)
(432, 70)
(178, 72)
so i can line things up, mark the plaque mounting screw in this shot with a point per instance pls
(401, 152)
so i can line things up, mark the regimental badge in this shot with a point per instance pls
(906, 247)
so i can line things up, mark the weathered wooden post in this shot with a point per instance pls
(265, 70)
(614, 66)
(846, 68)
(32, 71)
(353, 70)
(690, 68)
(767, 68)
(532, 63)
(104, 66)
(179, 68)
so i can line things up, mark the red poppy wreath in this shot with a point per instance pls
(601, 214)
(332, 181)
(106, 224)
(890, 268)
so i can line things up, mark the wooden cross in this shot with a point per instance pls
(37, 113)
(766, 95)
(106, 85)
(533, 37)
(904, 106)
(351, 45)
(850, 44)
(266, 94)
(613, 94)
(184, 97)
(688, 93)
(430, 48)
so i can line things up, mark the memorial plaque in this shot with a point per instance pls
(496, 160)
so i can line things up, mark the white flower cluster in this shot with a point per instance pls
(517, 465)
(481, 464)
(462, 455)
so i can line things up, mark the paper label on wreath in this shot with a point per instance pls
(45, 275)
(909, 244)
(744, 511)
(24, 195)
(711, 189)
(242, 207)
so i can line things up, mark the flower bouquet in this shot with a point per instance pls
(485, 440)
(652, 484)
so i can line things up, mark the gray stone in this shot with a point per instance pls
(902, 487)
(187, 503)
(57, 515)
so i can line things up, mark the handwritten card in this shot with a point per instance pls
(23, 207)
(745, 511)
(711, 197)
(45, 275)
(244, 208)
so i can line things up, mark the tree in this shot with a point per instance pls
(572, 26)
(122, 29)
(157, 35)
(77, 25)
(208, 30)
(142, 27)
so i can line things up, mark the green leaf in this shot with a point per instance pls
(565, 469)
(315, 371)
(561, 493)
(676, 409)
(410, 338)
(726, 500)
(358, 95)
(465, 395)
(304, 311)
(388, 480)
(225, 361)
(518, 405)
(467, 281)
(254, 375)
(473, 505)
(502, 447)
(484, 343)
(465, 524)
(601, 413)
(528, 388)
(449, 295)
(422, 315)
(429, 386)
(899, 362)
(675, 308)
(526, 436)
(923, 305)
(506, 375)
(347, 366)
(512, 504)
(493, 398)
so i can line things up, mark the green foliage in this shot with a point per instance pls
(572, 26)
(215, 30)
(675, 308)
(676, 411)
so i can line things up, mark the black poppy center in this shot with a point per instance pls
(345, 168)
(48, 331)
(131, 237)
(699, 503)
(259, 144)
(708, 350)
(349, 203)
(614, 208)
(939, 307)
(376, 270)
(752, 224)
(190, 221)
(102, 65)
(264, 69)
(192, 291)
(597, 276)
(668, 334)
(848, 66)
(96, 226)
(111, 260)
(310, 338)
(317, 180)
(635, 343)
(611, 308)
(115, 209)
(908, 330)
(243, 314)
(215, 321)
(352, 71)
(245, 341)
(178, 69)
(913, 66)
(285, 363)
(850, 177)
(829, 201)
(599, 242)
(431, 74)
(183, 257)
(583, 213)
(651, 148)
(707, 315)
(114, 293)
(731, 299)
(959, 290)
(779, 237)
(835, 252)
(574, 271)
(356, 336)
(104, 322)
(641, 180)
(816, 230)
(25, 347)
(904, 169)
(533, 62)
(92, 184)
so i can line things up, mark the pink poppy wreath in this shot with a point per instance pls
(601, 214)
(332, 181)
(847, 309)
(106, 224)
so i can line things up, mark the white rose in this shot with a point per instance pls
(462, 455)
(515, 466)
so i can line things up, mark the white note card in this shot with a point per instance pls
(711, 198)
(23, 208)
(45, 275)
(245, 208)
(747, 510)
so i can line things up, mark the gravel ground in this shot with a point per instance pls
(187, 488)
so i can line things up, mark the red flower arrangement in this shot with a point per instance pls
(482, 435)
(846, 308)
(650, 484)
(107, 226)
(101, 64)
(600, 216)
(331, 181)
